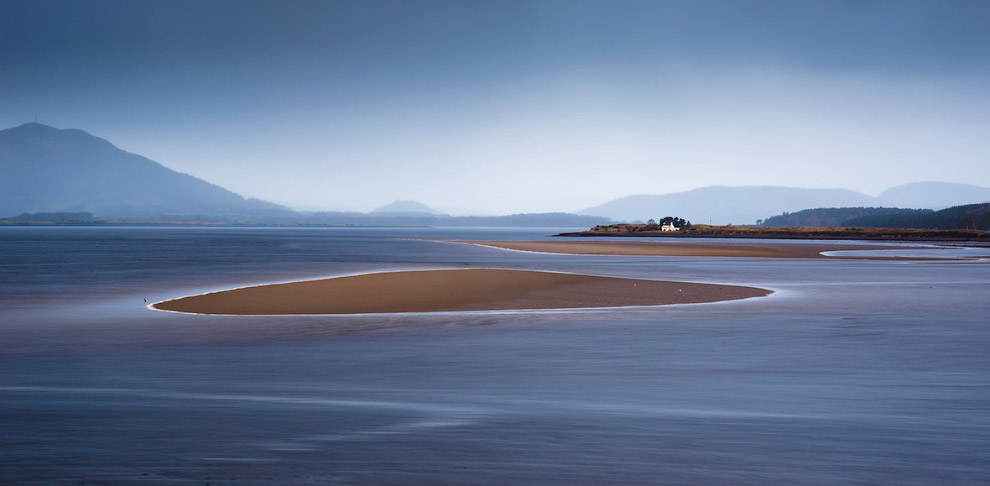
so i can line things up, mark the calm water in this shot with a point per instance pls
(854, 372)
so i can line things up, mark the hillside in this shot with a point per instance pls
(830, 216)
(45, 169)
(970, 216)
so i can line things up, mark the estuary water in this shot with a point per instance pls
(852, 372)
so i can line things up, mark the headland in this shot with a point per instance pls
(970, 236)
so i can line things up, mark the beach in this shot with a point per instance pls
(488, 289)
(451, 290)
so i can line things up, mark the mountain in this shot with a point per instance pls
(45, 169)
(724, 205)
(746, 204)
(933, 195)
(405, 208)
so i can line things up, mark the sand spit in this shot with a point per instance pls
(451, 290)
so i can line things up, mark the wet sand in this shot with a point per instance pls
(692, 249)
(452, 290)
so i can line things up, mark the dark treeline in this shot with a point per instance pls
(831, 216)
(53, 217)
(970, 216)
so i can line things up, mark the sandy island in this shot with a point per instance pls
(692, 249)
(452, 290)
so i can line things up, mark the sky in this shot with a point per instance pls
(499, 107)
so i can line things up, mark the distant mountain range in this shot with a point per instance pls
(45, 169)
(405, 208)
(50, 175)
(933, 195)
(58, 175)
(746, 204)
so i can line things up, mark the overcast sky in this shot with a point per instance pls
(505, 106)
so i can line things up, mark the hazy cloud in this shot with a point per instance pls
(512, 106)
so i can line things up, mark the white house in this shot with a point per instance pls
(669, 227)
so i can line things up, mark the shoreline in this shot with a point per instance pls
(705, 248)
(702, 231)
(453, 290)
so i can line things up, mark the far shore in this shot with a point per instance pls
(704, 231)
(452, 290)
(697, 248)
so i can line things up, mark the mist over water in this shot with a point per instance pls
(852, 372)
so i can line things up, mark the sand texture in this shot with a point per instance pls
(452, 290)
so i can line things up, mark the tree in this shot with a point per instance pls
(674, 220)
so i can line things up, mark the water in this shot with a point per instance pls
(854, 372)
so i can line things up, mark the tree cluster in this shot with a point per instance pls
(678, 222)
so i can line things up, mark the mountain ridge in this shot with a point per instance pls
(47, 169)
(934, 195)
(50, 175)
(50, 170)
(746, 204)
(724, 204)
(405, 207)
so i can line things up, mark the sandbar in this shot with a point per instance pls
(452, 290)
